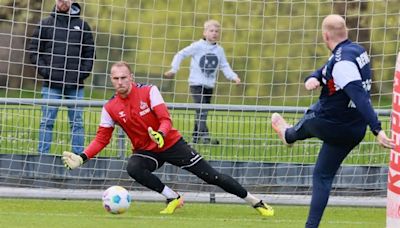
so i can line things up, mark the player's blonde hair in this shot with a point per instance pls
(121, 64)
(210, 23)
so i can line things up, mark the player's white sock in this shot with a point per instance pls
(169, 193)
(251, 199)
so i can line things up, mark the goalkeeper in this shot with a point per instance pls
(141, 112)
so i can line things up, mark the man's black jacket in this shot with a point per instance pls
(62, 48)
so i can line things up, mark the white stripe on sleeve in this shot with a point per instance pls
(345, 72)
(106, 120)
(155, 97)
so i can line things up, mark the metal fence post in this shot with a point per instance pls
(121, 143)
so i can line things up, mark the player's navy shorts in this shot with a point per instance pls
(180, 154)
(311, 125)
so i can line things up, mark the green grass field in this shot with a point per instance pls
(75, 213)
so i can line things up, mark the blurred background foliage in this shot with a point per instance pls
(272, 45)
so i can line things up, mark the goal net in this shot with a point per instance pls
(271, 45)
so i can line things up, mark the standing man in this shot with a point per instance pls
(207, 58)
(341, 115)
(139, 109)
(62, 49)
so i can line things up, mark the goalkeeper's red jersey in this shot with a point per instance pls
(144, 107)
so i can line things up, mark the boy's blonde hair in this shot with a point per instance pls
(211, 22)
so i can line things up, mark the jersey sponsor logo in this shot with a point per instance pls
(208, 64)
(144, 112)
(122, 115)
(362, 60)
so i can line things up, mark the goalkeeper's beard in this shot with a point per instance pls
(123, 91)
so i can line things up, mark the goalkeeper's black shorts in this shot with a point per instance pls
(180, 154)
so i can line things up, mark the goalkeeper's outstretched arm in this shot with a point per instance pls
(103, 136)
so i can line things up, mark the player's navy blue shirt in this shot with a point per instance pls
(346, 82)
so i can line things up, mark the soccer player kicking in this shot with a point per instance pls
(141, 112)
(341, 115)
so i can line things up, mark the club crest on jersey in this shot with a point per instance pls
(122, 115)
(144, 107)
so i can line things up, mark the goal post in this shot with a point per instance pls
(393, 192)
(271, 45)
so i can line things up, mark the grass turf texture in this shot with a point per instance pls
(80, 213)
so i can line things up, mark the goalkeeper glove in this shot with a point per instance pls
(71, 160)
(156, 136)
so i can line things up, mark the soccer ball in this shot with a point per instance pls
(116, 200)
